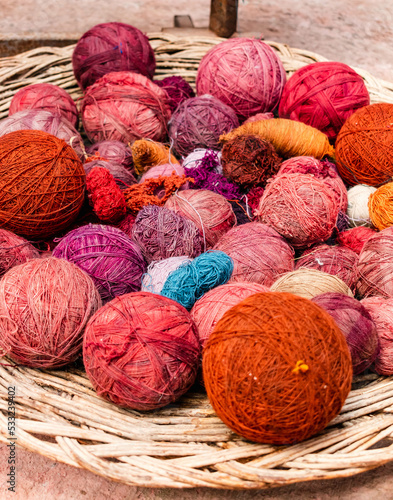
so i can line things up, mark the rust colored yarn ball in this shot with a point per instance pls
(124, 107)
(45, 305)
(110, 47)
(323, 95)
(249, 160)
(14, 250)
(355, 238)
(363, 146)
(141, 351)
(277, 368)
(244, 73)
(42, 184)
(380, 206)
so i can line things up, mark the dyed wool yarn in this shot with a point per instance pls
(42, 184)
(253, 197)
(108, 201)
(380, 206)
(125, 107)
(206, 179)
(300, 207)
(209, 159)
(177, 89)
(157, 273)
(141, 351)
(113, 151)
(126, 224)
(249, 160)
(258, 252)
(110, 47)
(162, 233)
(277, 382)
(259, 116)
(323, 95)
(356, 324)
(147, 154)
(244, 73)
(211, 212)
(14, 250)
(363, 146)
(107, 255)
(192, 280)
(198, 123)
(45, 305)
(355, 238)
(209, 309)
(166, 169)
(309, 283)
(123, 177)
(242, 211)
(45, 96)
(357, 210)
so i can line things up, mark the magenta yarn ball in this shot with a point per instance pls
(244, 73)
(177, 89)
(110, 47)
(115, 151)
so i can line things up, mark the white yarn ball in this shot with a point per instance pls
(357, 210)
(191, 161)
(158, 271)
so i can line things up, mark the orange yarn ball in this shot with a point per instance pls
(380, 206)
(277, 368)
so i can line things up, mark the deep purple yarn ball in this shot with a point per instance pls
(177, 89)
(115, 151)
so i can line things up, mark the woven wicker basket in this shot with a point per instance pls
(183, 445)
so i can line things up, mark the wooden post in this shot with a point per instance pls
(223, 17)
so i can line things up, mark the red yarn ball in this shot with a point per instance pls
(14, 250)
(105, 196)
(123, 177)
(141, 351)
(355, 238)
(323, 95)
(110, 47)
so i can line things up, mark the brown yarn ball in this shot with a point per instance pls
(249, 160)
(42, 184)
(277, 368)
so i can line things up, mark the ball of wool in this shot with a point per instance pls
(158, 271)
(380, 206)
(355, 238)
(177, 89)
(356, 324)
(342, 223)
(125, 106)
(249, 160)
(123, 177)
(198, 123)
(300, 207)
(357, 210)
(105, 196)
(338, 261)
(147, 153)
(363, 145)
(42, 184)
(309, 283)
(258, 252)
(126, 224)
(113, 151)
(14, 250)
(45, 96)
(192, 280)
(253, 197)
(259, 116)
(141, 351)
(162, 233)
(209, 309)
(209, 159)
(165, 169)
(109, 256)
(206, 179)
(242, 211)
(323, 95)
(244, 73)
(211, 212)
(277, 368)
(110, 47)
(45, 305)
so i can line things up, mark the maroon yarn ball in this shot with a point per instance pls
(198, 123)
(126, 224)
(244, 73)
(141, 351)
(123, 177)
(177, 89)
(355, 238)
(115, 151)
(356, 324)
(323, 95)
(14, 250)
(111, 47)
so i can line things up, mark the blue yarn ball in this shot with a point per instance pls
(193, 279)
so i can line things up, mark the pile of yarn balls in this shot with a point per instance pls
(256, 200)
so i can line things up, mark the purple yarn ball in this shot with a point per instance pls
(115, 151)
(177, 89)
(122, 176)
(112, 259)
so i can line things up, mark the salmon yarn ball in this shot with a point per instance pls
(14, 250)
(277, 368)
(380, 206)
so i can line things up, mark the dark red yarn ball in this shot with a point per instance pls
(177, 89)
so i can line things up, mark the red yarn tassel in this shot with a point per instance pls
(107, 199)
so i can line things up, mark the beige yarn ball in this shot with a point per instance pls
(357, 210)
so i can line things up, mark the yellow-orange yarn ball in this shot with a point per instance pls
(380, 206)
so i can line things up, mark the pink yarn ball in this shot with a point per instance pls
(14, 250)
(164, 170)
(258, 117)
(125, 107)
(244, 73)
(115, 151)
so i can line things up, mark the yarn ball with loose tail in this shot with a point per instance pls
(44, 307)
(111, 47)
(123, 177)
(355, 238)
(356, 324)
(323, 95)
(380, 206)
(209, 159)
(198, 123)
(141, 351)
(363, 146)
(309, 283)
(209, 309)
(105, 196)
(162, 233)
(258, 252)
(249, 160)
(125, 107)
(357, 211)
(113, 151)
(158, 271)
(42, 184)
(244, 73)
(45, 96)
(192, 280)
(277, 368)
(107, 255)
(300, 207)
(210, 212)
(177, 89)
(14, 250)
